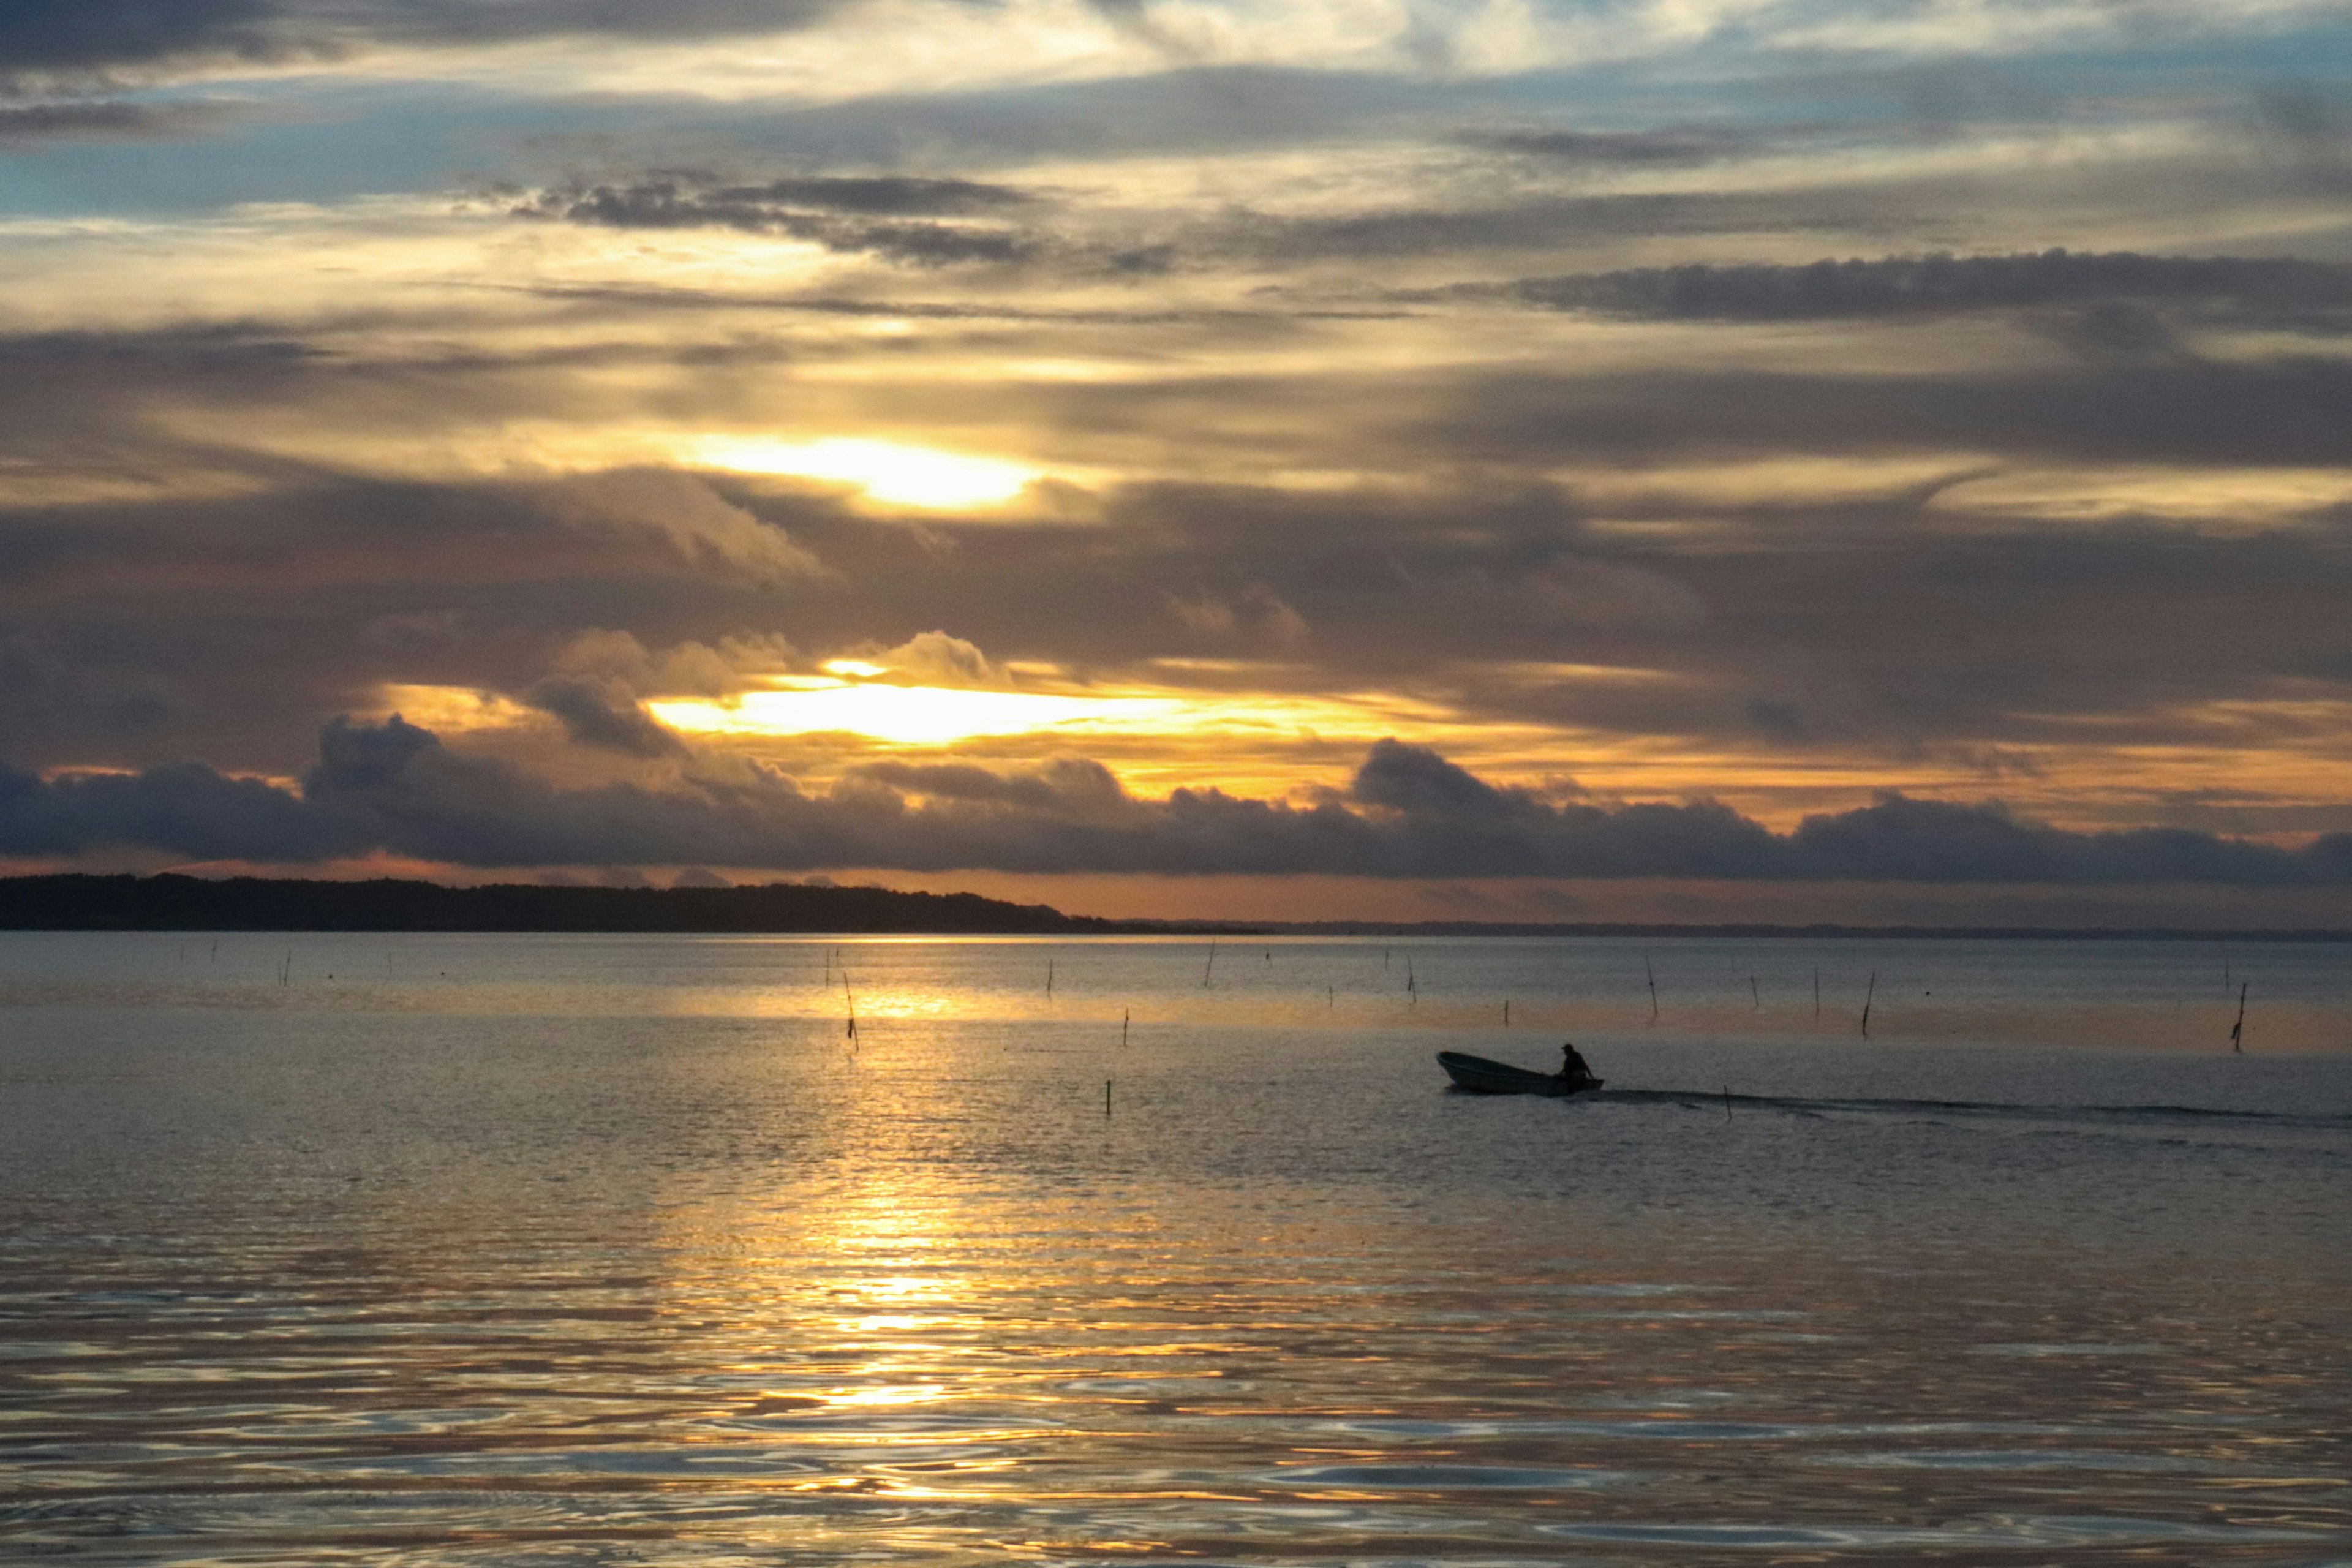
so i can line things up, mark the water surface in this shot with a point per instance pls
(622, 1250)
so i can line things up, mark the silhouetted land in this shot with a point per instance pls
(251, 903)
(169, 902)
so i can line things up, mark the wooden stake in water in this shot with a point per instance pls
(1049, 977)
(1866, 996)
(1652, 976)
(1124, 1014)
(849, 1001)
(1330, 996)
(1211, 967)
(1755, 997)
(2238, 1029)
(1106, 1099)
(1506, 1012)
(1411, 985)
(1727, 1102)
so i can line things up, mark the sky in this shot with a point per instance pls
(1886, 461)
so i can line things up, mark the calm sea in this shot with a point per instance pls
(591, 1250)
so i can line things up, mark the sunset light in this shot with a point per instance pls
(904, 715)
(919, 784)
(1620, 423)
(884, 471)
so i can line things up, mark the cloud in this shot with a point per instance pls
(1077, 784)
(56, 39)
(896, 195)
(1409, 813)
(598, 715)
(601, 677)
(1825, 290)
(721, 668)
(1544, 222)
(686, 512)
(53, 35)
(935, 658)
(109, 119)
(841, 215)
(1666, 147)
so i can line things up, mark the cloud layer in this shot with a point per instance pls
(785, 435)
(394, 788)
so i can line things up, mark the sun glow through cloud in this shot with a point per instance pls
(905, 715)
(886, 471)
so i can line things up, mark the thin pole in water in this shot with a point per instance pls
(1330, 996)
(1506, 1012)
(1653, 976)
(2238, 1029)
(1106, 1099)
(1124, 1014)
(1727, 1102)
(1412, 986)
(1049, 977)
(1756, 997)
(1211, 967)
(1866, 996)
(849, 1001)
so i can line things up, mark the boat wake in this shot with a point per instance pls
(2139, 1115)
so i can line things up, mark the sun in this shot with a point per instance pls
(884, 471)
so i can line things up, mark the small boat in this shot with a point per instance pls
(1480, 1076)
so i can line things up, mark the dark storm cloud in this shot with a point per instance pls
(108, 120)
(1409, 813)
(79, 38)
(1904, 285)
(839, 214)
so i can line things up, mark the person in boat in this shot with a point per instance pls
(1573, 1067)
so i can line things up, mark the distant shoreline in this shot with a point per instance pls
(172, 903)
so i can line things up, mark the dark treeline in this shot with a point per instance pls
(171, 903)
(248, 903)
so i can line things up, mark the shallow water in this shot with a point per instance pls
(619, 1250)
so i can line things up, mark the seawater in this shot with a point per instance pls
(586, 1250)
